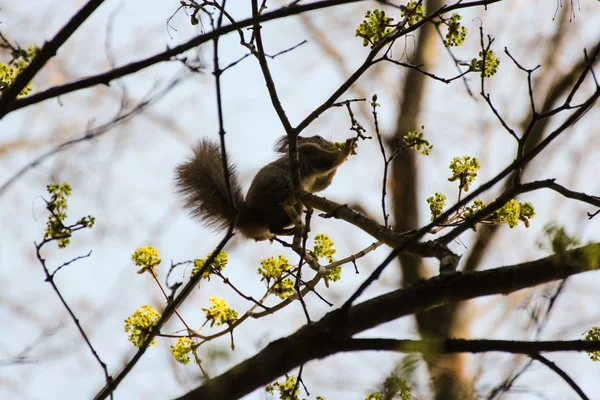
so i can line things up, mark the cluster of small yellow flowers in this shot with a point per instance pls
(416, 12)
(181, 350)
(492, 62)
(139, 324)
(374, 28)
(218, 264)
(456, 32)
(416, 141)
(323, 247)
(145, 257)
(332, 275)
(513, 212)
(593, 335)
(473, 209)
(10, 71)
(219, 313)
(510, 213)
(283, 288)
(55, 227)
(436, 203)
(464, 169)
(272, 269)
(288, 389)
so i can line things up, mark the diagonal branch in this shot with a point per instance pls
(106, 77)
(171, 308)
(120, 118)
(48, 51)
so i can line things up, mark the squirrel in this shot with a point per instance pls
(260, 216)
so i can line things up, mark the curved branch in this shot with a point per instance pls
(562, 374)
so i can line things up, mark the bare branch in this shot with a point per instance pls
(119, 119)
(561, 373)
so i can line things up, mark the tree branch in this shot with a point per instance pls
(47, 51)
(318, 340)
(474, 346)
(131, 68)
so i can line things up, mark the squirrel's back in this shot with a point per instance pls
(203, 185)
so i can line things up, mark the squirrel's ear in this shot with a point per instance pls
(281, 145)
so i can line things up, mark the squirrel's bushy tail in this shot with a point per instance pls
(201, 181)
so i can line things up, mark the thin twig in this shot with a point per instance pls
(560, 373)
(119, 119)
(50, 280)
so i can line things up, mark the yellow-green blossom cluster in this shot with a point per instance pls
(513, 212)
(323, 247)
(416, 12)
(593, 335)
(272, 269)
(456, 32)
(436, 203)
(464, 169)
(491, 64)
(55, 227)
(10, 71)
(145, 257)
(181, 350)
(140, 323)
(57, 206)
(374, 28)
(416, 141)
(332, 275)
(283, 288)
(219, 312)
(288, 389)
(474, 208)
(375, 396)
(218, 264)
(88, 221)
(510, 213)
